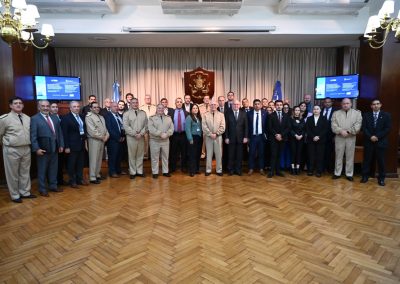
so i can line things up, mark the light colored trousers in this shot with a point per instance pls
(135, 154)
(17, 164)
(96, 149)
(157, 146)
(214, 147)
(344, 146)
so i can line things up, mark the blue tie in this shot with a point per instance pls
(257, 124)
(375, 118)
(80, 124)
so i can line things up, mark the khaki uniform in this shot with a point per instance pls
(157, 126)
(213, 123)
(351, 122)
(96, 131)
(15, 138)
(135, 124)
(149, 110)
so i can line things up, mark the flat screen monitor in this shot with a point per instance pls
(58, 88)
(337, 87)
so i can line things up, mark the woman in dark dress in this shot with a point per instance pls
(297, 132)
(195, 139)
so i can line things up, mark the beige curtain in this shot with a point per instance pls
(249, 72)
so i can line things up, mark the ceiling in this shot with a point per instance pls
(84, 27)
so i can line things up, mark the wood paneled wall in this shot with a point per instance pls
(380, 78)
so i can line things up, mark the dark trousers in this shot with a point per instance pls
(75, 161)
(177, 151)
(235, 159)
(286, 158)
(296, 147)
(114, 150)
(256, 149)
(60, 168)
(371, 151)
(47, 169)
(225, 156)
(315, 156)
(267, 154)
(276, 151)
(194, 154)
(329, 154)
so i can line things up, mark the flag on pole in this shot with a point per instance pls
(277, 93)
(116, 92)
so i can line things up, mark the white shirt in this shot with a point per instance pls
(327, 112)
(316, 120)
(187, 107)
(259, 126)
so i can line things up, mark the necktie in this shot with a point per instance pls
(20, 119)
(136, 112)
(148, 107)
(80, 124)
(236, 115)
(279, 116)
(375, 118)
(222, 109)
(50, 125)
(179, 121)
(161, 117)
(257, 124)
(119, 122)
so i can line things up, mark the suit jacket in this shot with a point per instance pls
(250, 108)
(236, 130)
(85, 109)
(320, 129)
(134, 124)
(104, 111)
(112, 127)
(226, 106)
(382, 129)
(190, 107)
(276, 127)
(264, 123)
(70, 128)
(158, 125)
(42, 137)
(213, 124)
(225, 109)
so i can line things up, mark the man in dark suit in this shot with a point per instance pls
(223, 108)
(86, 108)
(73, 128)
(178, 141)
(246, 105)
(230, 97)
(107, 107)
(115, 128)
(376, 127)
(278, 127)
(257, 125)
(327, 112)
(236, 134)
(222, 105)
(61, 158)
(167, 110)
(46, 141)
(187, 105)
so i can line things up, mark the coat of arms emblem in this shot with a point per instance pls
(199, 83)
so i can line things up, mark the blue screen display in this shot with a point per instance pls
(58, 88)
(337, 87)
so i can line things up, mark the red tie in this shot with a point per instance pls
(179, 121)
(50, 125)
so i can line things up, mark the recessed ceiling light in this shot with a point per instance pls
(100, 38)
(234, 39)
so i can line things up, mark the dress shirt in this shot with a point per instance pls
(259, 126)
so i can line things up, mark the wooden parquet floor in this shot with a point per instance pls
(205, 230)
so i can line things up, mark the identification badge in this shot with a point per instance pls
(198, 129)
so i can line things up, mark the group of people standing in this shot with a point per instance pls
(228, 130)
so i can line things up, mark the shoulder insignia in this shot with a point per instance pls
(4, 116)
(89, 114)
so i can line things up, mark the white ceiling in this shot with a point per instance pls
(94, 30)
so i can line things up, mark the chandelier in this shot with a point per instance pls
(379, 26)
(18, 24)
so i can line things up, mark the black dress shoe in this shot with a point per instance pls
(18, 200)
(73, 185)
(310, 174)
(166, 175)
(363, 180)
(56, 190)
(132, 176)
(230, 173)
(349, 178)
(95, 181)
(155, 176)
(381, 182)
(335, 177)
(220, 174)
(191, 174)
(28, 196)
(207, 174)
(140, 175)
(44, 194)
(270, 175)
(318, 175)
(239, 173)
(280, 174)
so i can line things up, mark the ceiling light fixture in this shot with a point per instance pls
(18, 24)
(210, 30)
(379, 26)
